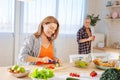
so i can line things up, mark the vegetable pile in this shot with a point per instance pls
(111, 74)
(43, 73)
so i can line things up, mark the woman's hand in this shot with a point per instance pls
(46, 59)
(57, 60)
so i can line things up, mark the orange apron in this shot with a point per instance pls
(46, 52)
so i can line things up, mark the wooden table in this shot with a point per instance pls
(67, 68)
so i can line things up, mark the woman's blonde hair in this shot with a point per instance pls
(47, 20)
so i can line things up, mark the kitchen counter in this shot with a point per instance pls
(106, 49)
(60, 74)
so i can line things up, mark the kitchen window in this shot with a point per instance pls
(70, 14)
(7, 16)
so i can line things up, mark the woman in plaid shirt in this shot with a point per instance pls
(84, 38)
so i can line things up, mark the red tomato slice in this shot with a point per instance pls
(51, 66)
(74, 75)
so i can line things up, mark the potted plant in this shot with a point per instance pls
(93, 19)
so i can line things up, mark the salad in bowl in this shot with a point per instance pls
(41, 74)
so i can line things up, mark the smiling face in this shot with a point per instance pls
(87, 23)
(49, 29)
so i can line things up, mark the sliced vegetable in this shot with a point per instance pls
(51, 66)
(74, 75)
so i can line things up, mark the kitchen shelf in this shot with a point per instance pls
(114, 6)
(114, 10)
(113, 19)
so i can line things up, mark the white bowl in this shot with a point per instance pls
(41, 79)
(18, 75)
(100, 44)
(37, 79)
(102, 67)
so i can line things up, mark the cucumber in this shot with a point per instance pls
(69, 78)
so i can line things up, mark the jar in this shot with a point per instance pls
(117, 3)
(100, 44)
(108, 3)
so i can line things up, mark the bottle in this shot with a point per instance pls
(108, 3)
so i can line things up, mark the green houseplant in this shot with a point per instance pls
(93, 19)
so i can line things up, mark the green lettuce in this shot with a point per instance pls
(43, 73)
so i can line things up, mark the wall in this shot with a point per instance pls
(103, 26)
(110, 27)
(98, 7)
(66, 45)
(6, 49)
(114, 32)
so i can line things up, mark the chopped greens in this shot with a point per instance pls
(111, 74)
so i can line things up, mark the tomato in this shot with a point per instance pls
(71, 74)
(77, 75)
(74, 75)
(93, 74)
(51, 66)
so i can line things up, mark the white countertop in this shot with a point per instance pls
(108, 49)
(60, 74)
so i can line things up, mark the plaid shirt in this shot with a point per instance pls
(84, 47)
